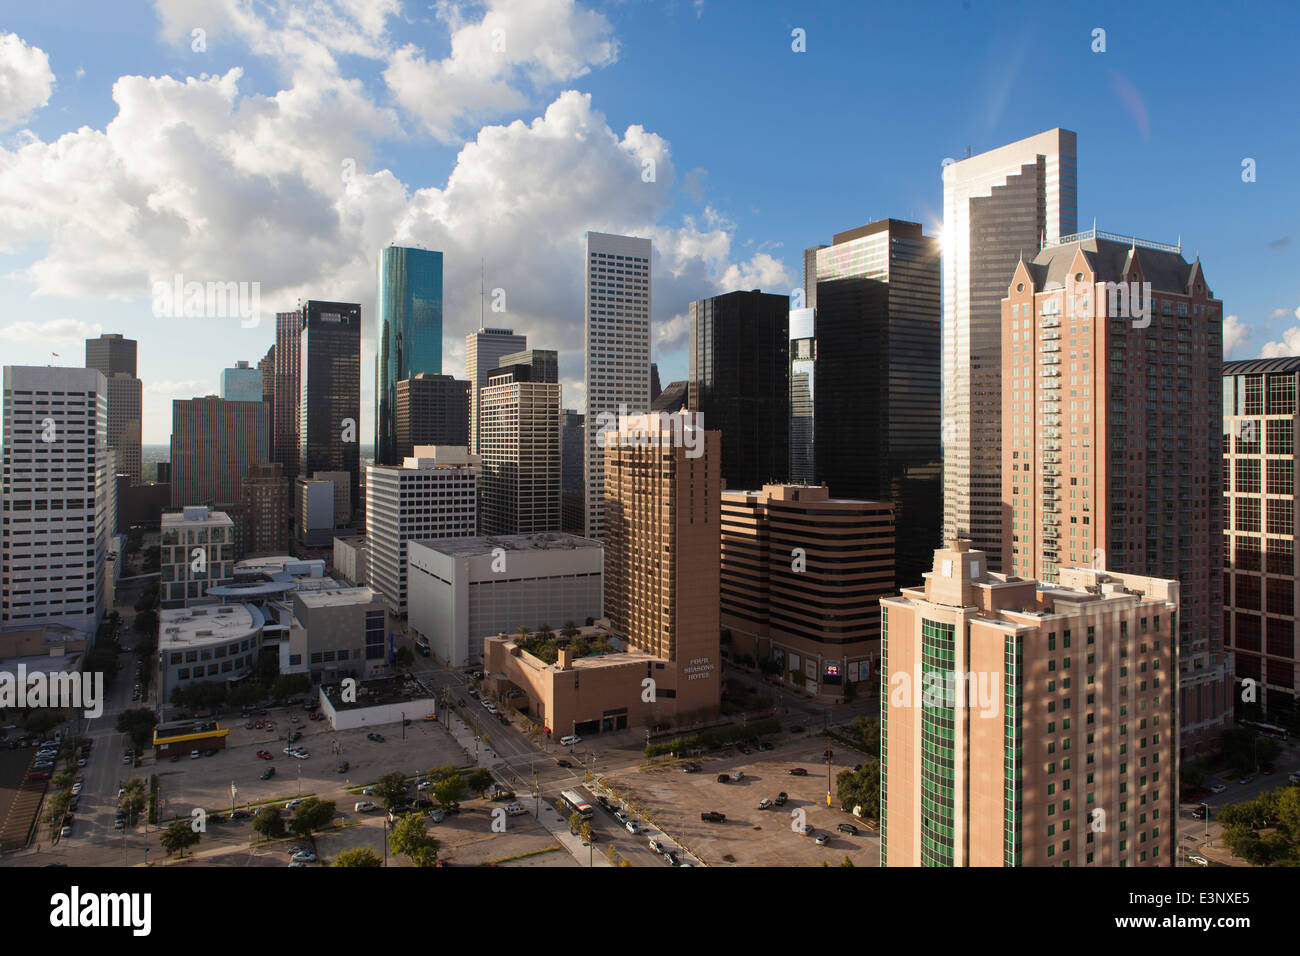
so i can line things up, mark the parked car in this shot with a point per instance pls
(293, 803)
(195, 755)
(797, 772)
(564, 763)
(38, 775)
(568, 740)
(515, 810)
(691, 768)
(848, 828)
(437, 816)
(670, 857)
(430, 716)
(807, 829)
(821, 839)
(365, 806)
(1247, 779)
(265, 754)
(209, 753)
(304, 857)
(781, 799)
(765, 803)
(712, 816)
(342, 768)
(796, 729)
(268, 773)
(737, 775)
(1198, 860)
(377, 738)
(632, 827)
(1218, 788)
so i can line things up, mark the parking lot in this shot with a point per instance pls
(750, 836)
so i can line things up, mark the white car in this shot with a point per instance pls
(570, 739)
(365, 806)
(515, 810)
(1198, 860)
(1218, 788)
(422, 785)
(632, 827)
(292, 803)
(304, 857)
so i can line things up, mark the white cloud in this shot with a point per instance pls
(55, 332)
(1235, 333)
(187, 388)
(26, 80)
(1278, 313)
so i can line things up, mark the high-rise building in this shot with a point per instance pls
(740, 382)
(803, 392)
(877, 368)
(267, 367)
(1025, 724)
(802, 578)
(265, 498)
(409, 323)
(55, 497)
(1111, 356)
(329, 391)
(113, 354)
(483, 352)
(617, 348)
(432, 494)
(662, 537)
(288, 341)
(655, 387)
(241, 383)
(430, 410)
(197, 552)
(519, 444)
(999, 206)
(1260, 491)
(572, 473)
(214, 443)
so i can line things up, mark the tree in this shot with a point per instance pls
(861, 788)
(146, 621)
(449, 791)
(478, 780)
(867, 731)
(390, 790)
(135, 797)
(847, 861)
(289, 685)
(438, 774)
(179, 836)
(404, 658)
(269, 823)
(358, 856)
(569, 630)
(410, 836)
(575, 822)
(311, 815)
(137, 724)
(798, 678)
(585, 831)
(268, 666)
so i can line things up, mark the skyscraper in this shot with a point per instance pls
(572, 473)
(288, 342)
(241, 383)
(617, 348)
(409, 333)
(1111, 356)
(265, 498)
(998, 206)
(430, 410)
(877, 368)
(115, 356)
(662, 493)
(267, 367)
(55, 497)
(519, 442)
(329, 391)
(483, 351)
(214, 443)
(740, 382)
(1260, 490)
(1024, 725)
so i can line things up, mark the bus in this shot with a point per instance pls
(573, 800)
(1266, 730)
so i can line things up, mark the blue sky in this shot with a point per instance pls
(127, 156)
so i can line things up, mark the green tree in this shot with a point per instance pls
(411, 836)
(448, 792)
(390, 790)
(847, 861)
(358, 856)
(586, 831)
(135, 797)
(438, 774)
(861, 788)
(178, 837)
(575, 823)
(40, 720)
(290, 685)
(478, 780)
(146, 621)
(269, 823)
(311, 815)
(866, 730)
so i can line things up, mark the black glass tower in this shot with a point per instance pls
(329, 410)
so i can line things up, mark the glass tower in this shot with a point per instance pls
(409, 333)
(329, 406)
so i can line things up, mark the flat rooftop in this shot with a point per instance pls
(209, 624)
(486, 544)
(182, 519)
(380, 693)
(341, 597)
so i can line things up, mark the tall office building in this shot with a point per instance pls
(483, 352)
(242, 383)
(288, 341)
(430, 410)
(662, 493)
(617, 348)
(1260, 491)
(329, 391)
(803, 365)
(655, 387)
(55, 497)
(1028, 725)
(802, 578)
(1110, 437)
(265, 499)
(267, 367)
(197, 552)
(409, 323)
(740, 382)
(432, 494)
(519, 443)
(115, 356)
(572, 473)
(999, 206)
(214, 443)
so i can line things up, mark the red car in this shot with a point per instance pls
(313, 716)
(38, 775)
(265, 754)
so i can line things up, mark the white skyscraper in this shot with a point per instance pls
(56, 497)
(618, 350)
(483, 351)
(997, 207)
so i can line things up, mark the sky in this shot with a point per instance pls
(284, 143)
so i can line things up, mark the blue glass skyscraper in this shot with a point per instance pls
(410, 333)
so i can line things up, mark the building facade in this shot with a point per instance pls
(802, 575)
(1025, 724)
(200, 644)
(242, 383)
(214, 443)
(409, 334)
(430, 410)
(197, 552)
(617, 314)
(1111, 356)
(329, 391)
(572, 472)
(266, 511)
(483, 352)
(288, 375)
(999, 206)
(519, 444)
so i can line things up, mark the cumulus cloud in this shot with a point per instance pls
(1234, 334)
(186, 388)
(56, 332)
(26, 80)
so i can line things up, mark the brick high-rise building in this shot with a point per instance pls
(214, 443)
(802, 578)
(1025, 724)
(115, 356)
(999, 206)
(267, 367)
(1260, 491)
(519, 443)
(662, 536)
(266, 511)
(288, 345)
(1111, 356)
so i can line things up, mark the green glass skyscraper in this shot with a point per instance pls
(410, 333)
